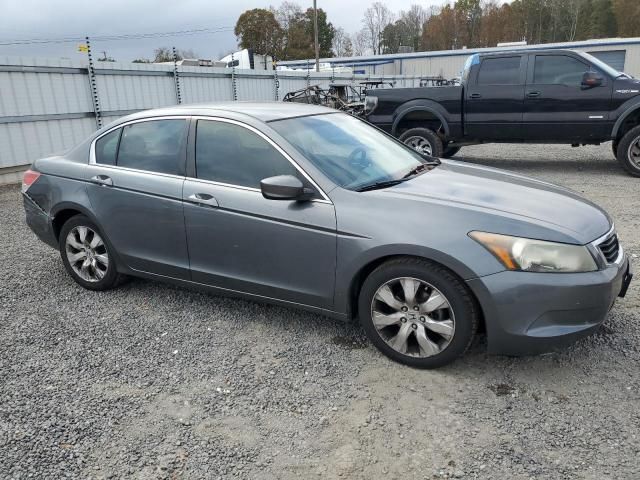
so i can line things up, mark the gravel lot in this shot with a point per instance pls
(152, 381)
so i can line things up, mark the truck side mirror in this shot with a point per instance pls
(591, 79)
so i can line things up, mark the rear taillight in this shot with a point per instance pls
(29, 178)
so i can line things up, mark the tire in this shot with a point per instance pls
(628, 153)
(449, 152)
(456, 322)
(423, 140)
(614, 148)
(95, 267)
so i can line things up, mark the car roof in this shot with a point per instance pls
(263, 111)
(523, 51)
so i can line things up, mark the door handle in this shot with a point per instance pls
(476, 95)
(103, 180)
(533, 93)
(203, 199)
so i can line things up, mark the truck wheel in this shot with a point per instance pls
(423, 140)
(629, 151)
(450, 152)
(614, 148)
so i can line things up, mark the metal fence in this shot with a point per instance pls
(49, 105)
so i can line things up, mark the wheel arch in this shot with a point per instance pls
(418, 110)
(629, 118)
(63, 211)
(456, 268)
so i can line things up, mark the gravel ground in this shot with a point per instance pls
(153, 381)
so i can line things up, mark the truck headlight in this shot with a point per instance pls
(529, 255)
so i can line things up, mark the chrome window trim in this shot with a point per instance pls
(277, 147)
(596, 245)
(92, 148)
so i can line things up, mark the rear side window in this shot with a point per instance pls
(156, 146)
(107, 148)
(499, 71)
(558, 70)
(231, 154)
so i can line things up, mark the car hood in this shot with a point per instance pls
(507, 194)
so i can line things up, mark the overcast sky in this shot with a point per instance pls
(29, 19)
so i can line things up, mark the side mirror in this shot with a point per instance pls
(591, 79)
(285, 187)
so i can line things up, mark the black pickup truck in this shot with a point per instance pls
(541, 96)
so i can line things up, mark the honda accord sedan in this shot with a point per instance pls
(308, 207)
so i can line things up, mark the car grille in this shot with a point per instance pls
(610, 248)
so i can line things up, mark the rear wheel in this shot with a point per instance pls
(423, 140)
(86, 255)
(628, 151)
(417, 312)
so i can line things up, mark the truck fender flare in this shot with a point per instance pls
(631, 109)
(424, 108)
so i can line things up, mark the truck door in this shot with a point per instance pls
(558, 107)
(494, 98)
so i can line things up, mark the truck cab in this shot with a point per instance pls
(520, 96)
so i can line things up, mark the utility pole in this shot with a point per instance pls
(315, 34)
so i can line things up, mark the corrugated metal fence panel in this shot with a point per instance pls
(129, 90)
(195, 87)
(22, 143)
(255, 85)
(38, 93)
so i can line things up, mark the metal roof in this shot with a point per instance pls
(470, 51)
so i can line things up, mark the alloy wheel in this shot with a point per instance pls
(87, 254)
(420, 144)
(634, 152)
(413, 317)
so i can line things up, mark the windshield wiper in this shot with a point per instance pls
(421, 168)
(378, 185)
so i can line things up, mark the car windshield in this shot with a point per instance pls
(350, 152)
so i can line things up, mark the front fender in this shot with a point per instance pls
(622, 113)
(424, 105)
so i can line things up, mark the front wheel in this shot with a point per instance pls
(449, 152)
(628, 151)
(417, 312)
(424, 141)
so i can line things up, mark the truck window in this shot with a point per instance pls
(499, 71)
(558, 70)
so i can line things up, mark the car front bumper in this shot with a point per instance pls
(527, 313)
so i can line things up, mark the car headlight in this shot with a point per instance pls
(529, 255)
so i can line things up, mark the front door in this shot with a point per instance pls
(240, 241)
(494, 97)
(557, 107)
(136, 176)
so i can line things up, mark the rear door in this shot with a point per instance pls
(494, 98)
(239, 240)
(557, 107)
(136, 175)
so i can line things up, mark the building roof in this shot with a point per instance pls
(379, 59)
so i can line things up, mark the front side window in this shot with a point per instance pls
(558, 70)
(107, 148)
(347, 150)
(499, 71)
(231, 154)
(154, 146)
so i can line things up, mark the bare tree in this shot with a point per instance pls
(359, 42)
(376, 18)
(340, 42)
(413, 21)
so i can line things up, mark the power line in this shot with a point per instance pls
(132, 36)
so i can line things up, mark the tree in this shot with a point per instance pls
(288, 16)
(141, 60)
(165, 54)
(359, 42)
(627, 13)
(376, 18)
(341, 43)
(259, 30)
(413, 21)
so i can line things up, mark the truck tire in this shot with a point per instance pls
(423, 140)
(628, 153)
(449, 152)
(614, 148)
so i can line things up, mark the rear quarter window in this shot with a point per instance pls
(107, 148)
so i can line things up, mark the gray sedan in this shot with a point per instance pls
(307, 207)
